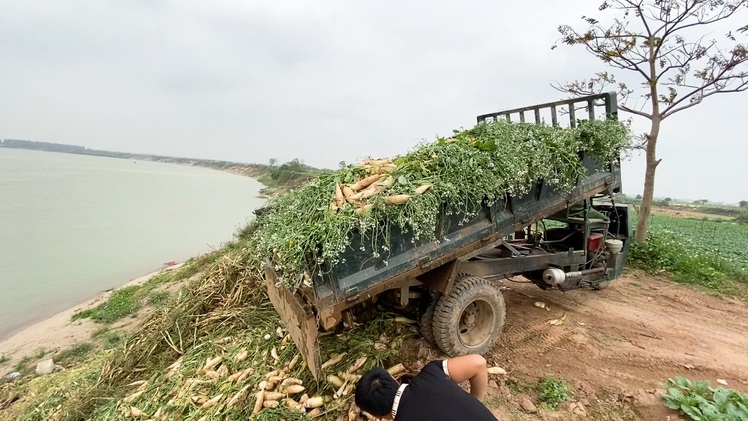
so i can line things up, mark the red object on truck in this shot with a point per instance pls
(594, 242)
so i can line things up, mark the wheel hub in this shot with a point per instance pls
(476, 323)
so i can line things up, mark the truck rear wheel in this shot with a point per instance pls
(426, 321)
(470, 318)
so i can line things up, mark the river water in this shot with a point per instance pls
(72, 226)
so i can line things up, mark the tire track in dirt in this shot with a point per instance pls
(626, 339)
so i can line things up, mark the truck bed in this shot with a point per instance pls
(363, 276)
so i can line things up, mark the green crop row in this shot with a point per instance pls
(710, 254)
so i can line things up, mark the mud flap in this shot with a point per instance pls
(300, 322)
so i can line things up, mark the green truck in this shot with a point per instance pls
(558, 241)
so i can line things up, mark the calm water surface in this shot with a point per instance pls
(72, 226)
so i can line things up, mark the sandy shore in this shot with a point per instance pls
(58, 332)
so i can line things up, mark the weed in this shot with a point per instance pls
(40, 353)
(77, 352)
(22, 364)
(3, 359)
(121, 303)
(109, 338)
(552, 391)
(128, 300)
(517, 386)
(700, 401)
(112, 339)
(158, 298)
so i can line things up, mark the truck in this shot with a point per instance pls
(557, 241)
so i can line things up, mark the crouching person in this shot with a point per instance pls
(433, 394)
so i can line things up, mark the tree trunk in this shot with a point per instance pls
(642, 225)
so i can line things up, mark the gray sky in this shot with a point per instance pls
(322, 81)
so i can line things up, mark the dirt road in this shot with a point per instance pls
(615, 347)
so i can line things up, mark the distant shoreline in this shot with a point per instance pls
(251, 170)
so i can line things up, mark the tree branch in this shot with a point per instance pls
(635, 111)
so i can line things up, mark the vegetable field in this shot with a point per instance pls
(723, 239)
(710, 254)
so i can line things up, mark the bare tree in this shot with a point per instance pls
(664, 44)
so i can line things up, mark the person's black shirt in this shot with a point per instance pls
(433, 396)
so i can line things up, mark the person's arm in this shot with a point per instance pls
(470, 367)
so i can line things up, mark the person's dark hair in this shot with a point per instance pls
(375, 392)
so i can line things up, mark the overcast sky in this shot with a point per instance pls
(322, 81)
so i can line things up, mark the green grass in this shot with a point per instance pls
(22, 364)
(552, 392)
(76, 353)
(3, 359)
(109, 338)
(712, 255)
(123, 302)
(158, 298)
(127, 301)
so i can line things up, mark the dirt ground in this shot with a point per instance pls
(614, 347)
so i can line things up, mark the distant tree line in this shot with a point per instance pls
(43, 146)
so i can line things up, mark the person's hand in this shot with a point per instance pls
(470, 367)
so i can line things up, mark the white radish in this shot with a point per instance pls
(496, 370)
(370, 191)
(241, 356)
(271, 404)
(294, 389)
(397, 199)
(212, 362)
(201, 399)
(333, 360)
(274, 396)
(293, 362)
(290, 381)
(214, 400)
(395, 370)
(244, 375)
(388, 182)
(339, 196)
(361, 184)
(258, 402)
(137, 383)
(274, 354)
(423, 189)
(314, 402)
(132, 397)
(234, 399)
(358, 364)
(335, 380)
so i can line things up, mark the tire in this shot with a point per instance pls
(601, 285)
(470, 318)
(425, 323)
